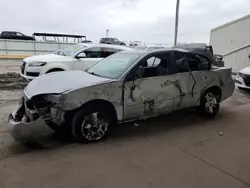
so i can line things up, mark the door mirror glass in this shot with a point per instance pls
(81, 55)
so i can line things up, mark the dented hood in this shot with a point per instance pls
(59, 82)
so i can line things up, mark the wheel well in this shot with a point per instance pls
(216, 90)
(110, 107)
(54, 70)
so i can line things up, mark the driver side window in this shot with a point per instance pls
(154, 65)
(93, 52)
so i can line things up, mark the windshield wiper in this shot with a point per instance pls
(92, 73)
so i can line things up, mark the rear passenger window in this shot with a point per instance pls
(108, 51)
(193, 62)
(205, 63)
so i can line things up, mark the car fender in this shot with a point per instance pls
(110, 91)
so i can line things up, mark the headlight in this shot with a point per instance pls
(37, 64)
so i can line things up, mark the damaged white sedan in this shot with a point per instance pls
(126, 86)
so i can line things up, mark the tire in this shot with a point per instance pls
(210, 103)
(91, 123)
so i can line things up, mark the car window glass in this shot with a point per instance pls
(93, 52)
(108, 51)
(19, 34)
(153, 66)
(153, 61)
(115, 65)
(10, 33)
(179, 58)
(193, 62)
(205, 62)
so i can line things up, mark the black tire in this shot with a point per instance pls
(83, 127)
(210, 103)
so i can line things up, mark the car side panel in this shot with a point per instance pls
(147, 97)
(60, 65)
(110, 91)
(192, 88)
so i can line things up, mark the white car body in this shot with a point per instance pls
(242, 80)
(130, 95)
(55, 62)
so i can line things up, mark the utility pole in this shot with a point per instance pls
(107, 33)
(176, 22)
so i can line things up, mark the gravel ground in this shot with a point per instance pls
(12, 81)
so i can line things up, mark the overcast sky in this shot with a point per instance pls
(149, 21)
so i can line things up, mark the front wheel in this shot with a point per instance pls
(210, 104)
(91, 124)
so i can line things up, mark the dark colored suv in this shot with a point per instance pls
(15, 35)
(108, 40)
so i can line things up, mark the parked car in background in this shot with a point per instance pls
(123, 87)
(135, 43)
(15, 35)
(150, 47)
(242, 80)
(77, 57)
(87, 41)
(108, 40)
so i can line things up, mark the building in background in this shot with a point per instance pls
(232, 40)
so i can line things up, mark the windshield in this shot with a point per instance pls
(141, 48)
(115, 65)
(70, 50)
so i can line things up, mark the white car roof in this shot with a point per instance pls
(121, 47)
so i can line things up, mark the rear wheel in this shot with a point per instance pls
(92, 123)
(210, 104)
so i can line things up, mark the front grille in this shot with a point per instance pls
(23, 67)
(34, 74)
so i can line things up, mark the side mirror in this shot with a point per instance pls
(81, 55)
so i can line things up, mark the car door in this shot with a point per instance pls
(93, 55)
(191, 78)
(153, 89)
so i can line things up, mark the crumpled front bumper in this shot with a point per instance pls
(27, 130)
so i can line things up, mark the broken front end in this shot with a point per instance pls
(30, 120)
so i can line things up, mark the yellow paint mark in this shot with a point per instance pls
(13, 56)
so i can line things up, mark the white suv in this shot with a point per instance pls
(78, 57)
